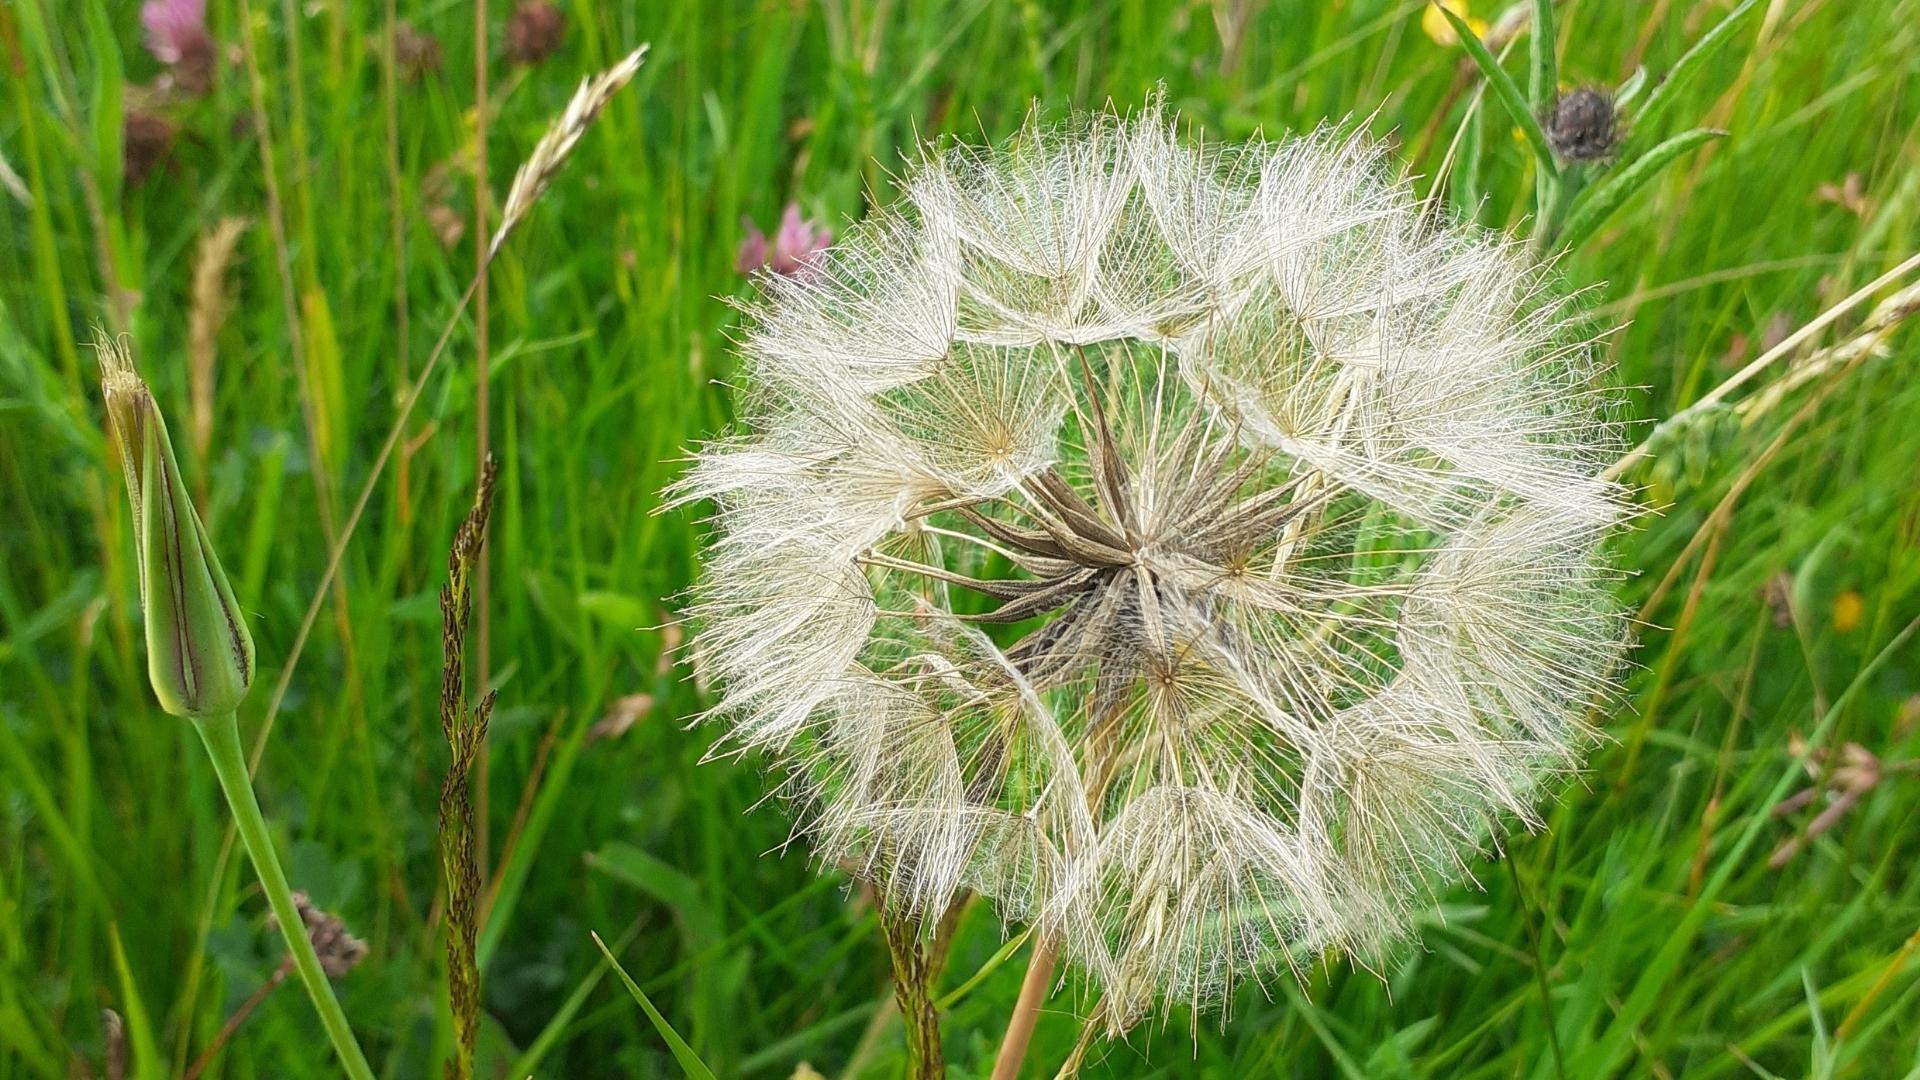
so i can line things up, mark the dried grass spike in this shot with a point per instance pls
(211, 302)
(554, 147)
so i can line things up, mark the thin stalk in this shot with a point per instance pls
(222, 736)
(1556, 197)
(397, 222)
(239, 1017)
(1026, 1010)
(1089, 1031)
(1740, 378)
(483, 450)
(913, 973)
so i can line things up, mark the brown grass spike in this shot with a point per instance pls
(466, 730)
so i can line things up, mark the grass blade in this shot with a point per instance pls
(993, 963)
(1604, 1055)
(1593, 211)
(1507, 91)
(108, 115)
(1542, 77)
(1822, 1047)
(556, 1026)
(1548, 190)
(690, 1062)
(139, 1029)
(1630, 89)
(1688, 66)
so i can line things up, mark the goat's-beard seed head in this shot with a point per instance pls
(1192, 548)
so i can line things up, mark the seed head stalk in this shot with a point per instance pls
(1026, 1009)
(222, 738)
(914, 968)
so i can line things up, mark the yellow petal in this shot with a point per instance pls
(1441, 31)
(1847, 609)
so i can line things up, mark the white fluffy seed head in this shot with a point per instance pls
(1194, 549)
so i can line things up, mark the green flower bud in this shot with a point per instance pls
(199, 654)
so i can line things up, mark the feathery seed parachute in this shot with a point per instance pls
(1192, 548)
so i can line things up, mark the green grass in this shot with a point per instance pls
(1642, 933)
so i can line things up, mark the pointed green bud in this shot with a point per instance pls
(199, 654)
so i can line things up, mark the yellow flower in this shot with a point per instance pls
(1847, 609)
(1441, 31)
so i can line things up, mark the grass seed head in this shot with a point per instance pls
(557, 143)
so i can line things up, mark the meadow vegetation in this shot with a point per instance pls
(1728, 889)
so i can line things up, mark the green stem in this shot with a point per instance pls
(1556, 196)
(913, 972)
(222, 737)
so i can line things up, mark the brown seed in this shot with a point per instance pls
(337, 949)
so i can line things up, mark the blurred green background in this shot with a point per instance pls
(1675, 919)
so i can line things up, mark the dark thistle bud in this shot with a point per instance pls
(1582, 125)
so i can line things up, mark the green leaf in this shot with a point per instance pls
(1822, 1064)
(1508, 93)
(1542, 75)
(664, 883)
(139, 1030)
(1395, 1054)
(1630, 88)
(108, 109)
(1466, 169)
(619, 611)
(1688, 66)
(993, 962)
(1600, 203)
(690, 1062)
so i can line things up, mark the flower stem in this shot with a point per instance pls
(222, 737)
(1026, 1010)
(913, 972)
